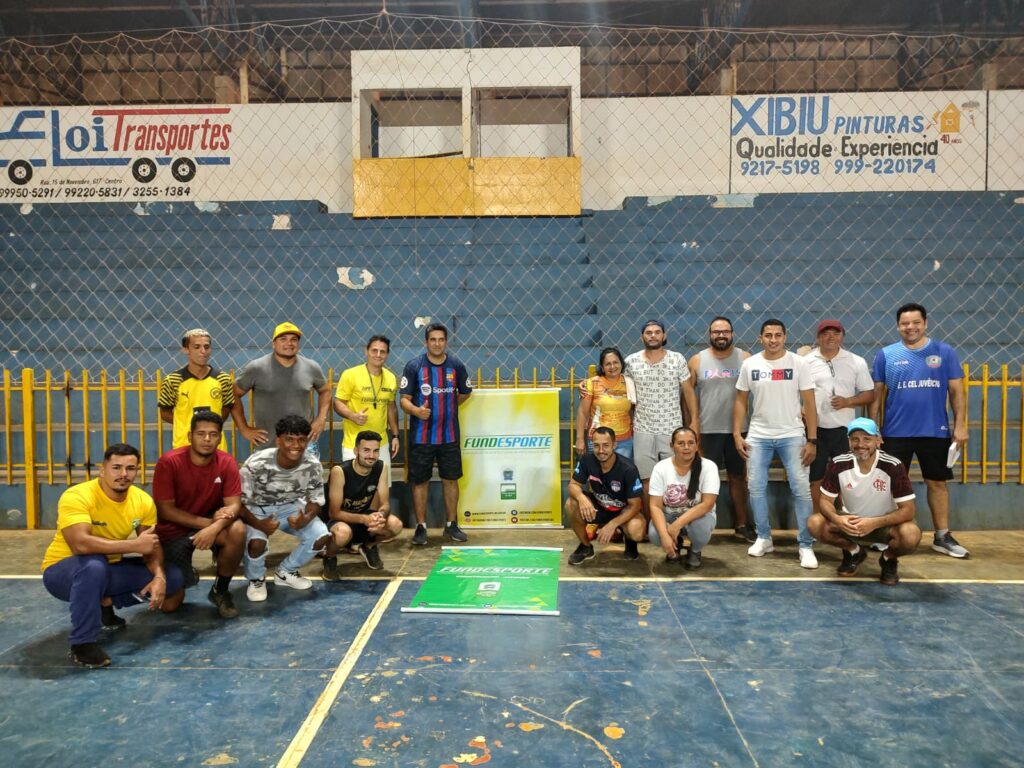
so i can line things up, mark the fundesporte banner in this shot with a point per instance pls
(510, 580)
(511, 475)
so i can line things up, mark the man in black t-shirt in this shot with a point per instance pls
(358, 508)
(605, 495)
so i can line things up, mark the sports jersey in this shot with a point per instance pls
(775, 387)
(845, 375)
(266, 484)
(364, 392)
(360, 489)
(671, 486)
(87, 503)
(438, 387)
(657, 391)
(609, 490)
(917, 388)
(186, 395)
(716, 390)
(195, 489)
(609, 406)
(871, 494)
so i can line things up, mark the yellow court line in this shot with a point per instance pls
(307, 732)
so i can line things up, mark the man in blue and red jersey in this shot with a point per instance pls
(433, 387)
(919, 375)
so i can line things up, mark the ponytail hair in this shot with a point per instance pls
(694, 485)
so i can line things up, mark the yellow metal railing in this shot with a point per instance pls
(135, 414)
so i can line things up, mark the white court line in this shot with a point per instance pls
(307, 732)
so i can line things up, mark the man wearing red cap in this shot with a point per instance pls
(281, 383)
(842, 383)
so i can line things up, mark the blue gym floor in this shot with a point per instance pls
(633, 673)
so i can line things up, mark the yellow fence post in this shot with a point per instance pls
(1004, 402)
(967, 418)
(8, 425)
(984, 424)
(49, 428)
(28, 421)
(67, 426)
(85, 424)
(142, 427)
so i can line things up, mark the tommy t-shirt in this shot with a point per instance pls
(917, 388)
(775, 387)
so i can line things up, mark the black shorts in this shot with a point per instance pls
(360, 533)
(720, 448)
(832, 441)
(932, 454)
(178, 551)
(422, 457)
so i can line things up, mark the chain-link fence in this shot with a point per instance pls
(689, 203)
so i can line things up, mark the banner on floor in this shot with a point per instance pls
(511, 475)
(505, 580)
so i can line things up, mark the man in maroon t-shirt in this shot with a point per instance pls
(198, 494)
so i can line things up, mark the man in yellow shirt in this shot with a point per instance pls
(196, 387)
(84, 566)
(365, 398)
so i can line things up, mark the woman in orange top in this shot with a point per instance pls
(605, 402)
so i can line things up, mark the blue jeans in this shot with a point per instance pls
(788, 449)
(699, 531)
(83, 580)
(256, 567)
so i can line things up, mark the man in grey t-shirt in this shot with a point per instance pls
(713, 374)
(281, 383)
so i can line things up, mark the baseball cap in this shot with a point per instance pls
(862, 424)
(286, 327)
(824, 325)
(652, 322)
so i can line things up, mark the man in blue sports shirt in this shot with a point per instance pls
(433, 387)
(920, 374)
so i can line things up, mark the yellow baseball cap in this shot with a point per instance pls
(284, 328)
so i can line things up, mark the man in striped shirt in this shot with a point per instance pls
(433, 387)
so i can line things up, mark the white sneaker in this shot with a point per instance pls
(807, 558)
(256, 591)
(761, 547)
(291, 579)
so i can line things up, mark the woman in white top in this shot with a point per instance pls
(684, 490)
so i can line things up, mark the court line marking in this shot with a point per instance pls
(302, 740)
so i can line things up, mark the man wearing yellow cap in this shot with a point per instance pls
(281, 383)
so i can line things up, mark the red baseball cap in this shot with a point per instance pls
(824, 325)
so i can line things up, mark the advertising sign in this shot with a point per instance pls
(859, 142)
(510, 470)
(174, 153)
(516, 580)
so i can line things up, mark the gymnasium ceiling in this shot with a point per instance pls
(56, 19)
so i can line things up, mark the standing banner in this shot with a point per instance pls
(508, 580)
(510, 470)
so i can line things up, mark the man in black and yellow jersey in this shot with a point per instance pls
(196, 387)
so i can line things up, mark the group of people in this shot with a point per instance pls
(642, 473)
(653, 430)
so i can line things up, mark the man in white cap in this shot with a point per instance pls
(281, 383)
(877, 504)
(842, 383)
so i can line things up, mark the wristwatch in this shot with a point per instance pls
(813, 441)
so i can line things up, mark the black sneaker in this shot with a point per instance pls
(851, 562)
(371, 556)
(331, 569)
(453, 532)
(583, 552)
(111, 620)
(631, 552)
(224, 603)
(676, 558)
(890, 570)
(693, 560)
(89, 655)
(419, 538)
(746, 532)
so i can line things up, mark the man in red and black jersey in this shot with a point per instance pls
(433, 387)
(878, 504)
